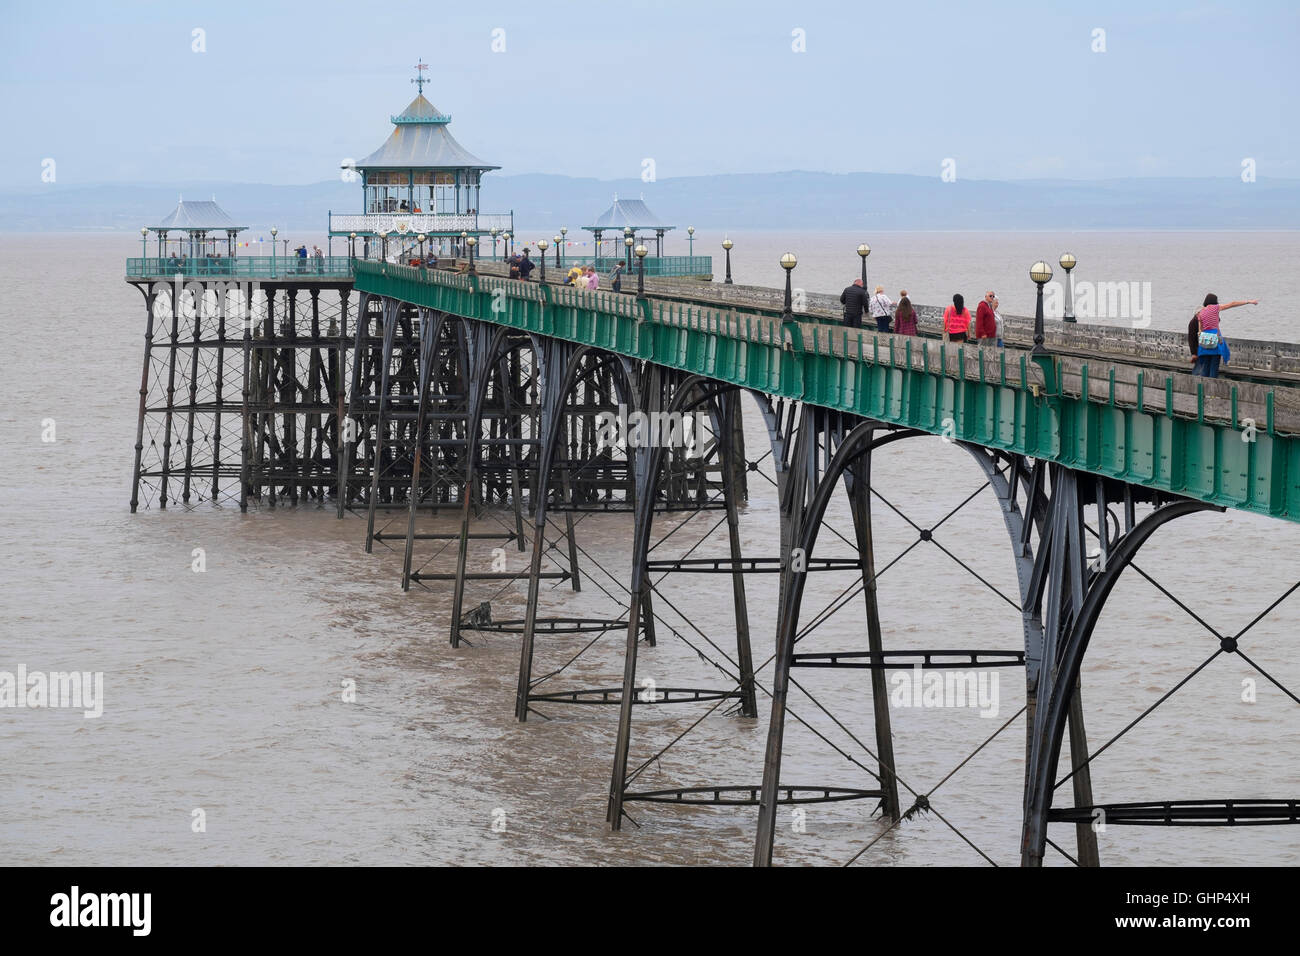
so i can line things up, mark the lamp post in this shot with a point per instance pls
(494, 230)
(144, 244)
(559, 241)
(505, 248)
(352, 245)
(690, 238)
(1041, 273)
(788, 262)
(640, 270)
(274, 232)
(472, 241)
(864, 250)
(421, 237)
(463, 236)
(727, 244)
(1068, 262)
(541, 246)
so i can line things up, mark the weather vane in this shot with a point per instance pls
(420, 79)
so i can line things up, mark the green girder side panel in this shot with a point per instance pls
(1008, 401)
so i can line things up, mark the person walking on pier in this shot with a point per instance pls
(526, 266)
(854, 300)
(905, 317)
(616, 277)
(880, 309)
(1212, 347)
(593, 280)
(956, 319)
(986, 323)
(320, 259)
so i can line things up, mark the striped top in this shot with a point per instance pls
(1209, 317)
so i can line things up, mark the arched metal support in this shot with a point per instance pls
(805, 502)
(685, 393)
(1066, 640)
(487, 346)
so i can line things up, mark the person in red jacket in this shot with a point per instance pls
(986, 322)
(956, 319)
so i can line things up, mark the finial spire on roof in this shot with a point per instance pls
(420, 79)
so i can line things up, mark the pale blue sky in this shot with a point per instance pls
(285, 91)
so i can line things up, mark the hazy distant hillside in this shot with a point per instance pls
(796, 200)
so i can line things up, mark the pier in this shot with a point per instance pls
(390, 388)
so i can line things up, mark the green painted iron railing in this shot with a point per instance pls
(657, 266)
(1229, 444)
(239, 267)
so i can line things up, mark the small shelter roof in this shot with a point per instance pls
(628, 212)
(198, 216)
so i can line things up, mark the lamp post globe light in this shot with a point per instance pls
(472, 241)
(274, 232)
(494, 230)
(559, 242)
(1041, 273)
(640, 269)
(1068, 262)
(864, 250)
(352, 245)
(421, 237)
(788, 262)
(542, 246)
(144, 243)
(505, 238)
(690, 238)
(726, 245)
(562, 241)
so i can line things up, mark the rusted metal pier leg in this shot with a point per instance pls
(219, 399)
(150, 301)
(726, 418)
(566, 489)
(177, 293)
(645, 465)
(342, 424)
(858, 484)
(800, 483)
(381, 425)
(479, 362)
(353, 420)
(200, 306)
(430, 332)
(288, 363)
(246, 410)
(561, 365)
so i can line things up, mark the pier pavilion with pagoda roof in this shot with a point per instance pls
(421, 181)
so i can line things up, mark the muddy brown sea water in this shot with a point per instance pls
(222, 690)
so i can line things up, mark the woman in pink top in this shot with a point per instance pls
(1210, 309)
(593, 280)
(1211, 348)
(956, 319)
